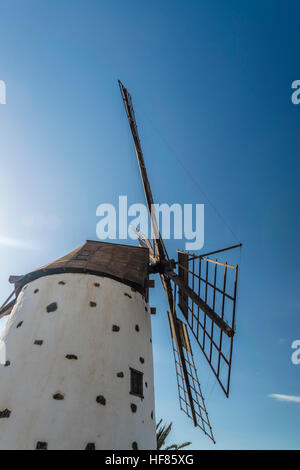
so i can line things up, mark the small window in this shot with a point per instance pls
(136, 383)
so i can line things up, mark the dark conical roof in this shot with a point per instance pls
(124, 263)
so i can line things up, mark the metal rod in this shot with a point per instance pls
(214, 302)
(213, 252)
(204, 322)
(199, 291)
(223, 308)
(233, 322)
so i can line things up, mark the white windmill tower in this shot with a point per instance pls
(79, 369)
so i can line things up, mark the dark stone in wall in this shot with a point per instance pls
(52, 307)
(72, 356)
(90, 446)
(5, 413)
(58, 396)
(133, 407)
(41, 445)
(101, 400)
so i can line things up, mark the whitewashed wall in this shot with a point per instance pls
(36, 372)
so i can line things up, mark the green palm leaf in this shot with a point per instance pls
(162, 433)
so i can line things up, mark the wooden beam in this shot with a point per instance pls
(212, 252)
(203, 305)
(157, 240)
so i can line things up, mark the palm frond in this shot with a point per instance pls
(184, 444)
(162, 432)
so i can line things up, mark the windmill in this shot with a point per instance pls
(190, 285)
(78, 370)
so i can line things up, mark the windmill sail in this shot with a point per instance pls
(212, 327)
(198, 404)
(157, 239)
(207, 300)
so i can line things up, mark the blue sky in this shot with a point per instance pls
(211, 84)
